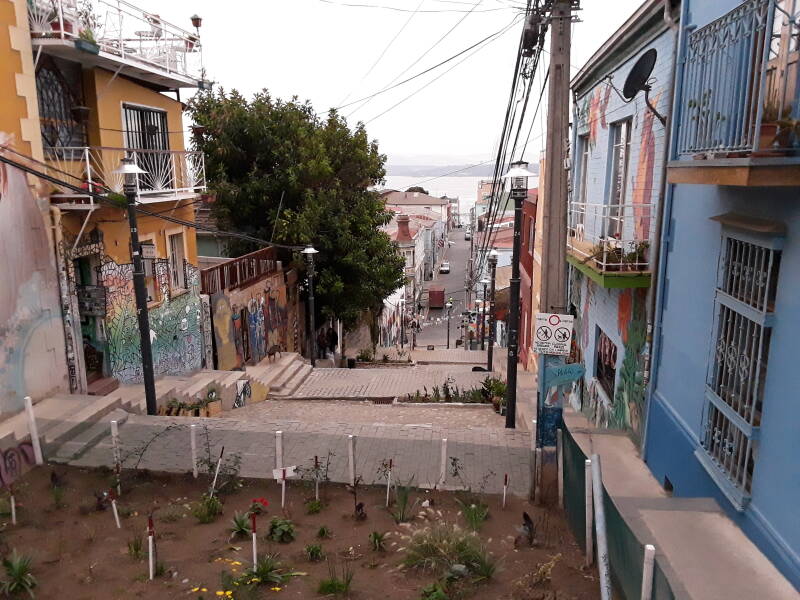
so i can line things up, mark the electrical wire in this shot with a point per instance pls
(395, 8)
(486, 162)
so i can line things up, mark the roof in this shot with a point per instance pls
(413, 199)
(502, 238)
(416, 212)
(623, 43)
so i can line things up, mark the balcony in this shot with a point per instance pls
(171, 174)
(117, 36)
(739, 117)
(610, 243)
(239, 272)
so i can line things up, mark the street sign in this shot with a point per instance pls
(284, 473)
(563, 374)
(553, 334)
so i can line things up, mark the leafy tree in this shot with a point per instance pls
(275, 165)
(417, 188)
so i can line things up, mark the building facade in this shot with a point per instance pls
(723, 419)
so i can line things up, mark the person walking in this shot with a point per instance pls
(322, 343)
(333, 340)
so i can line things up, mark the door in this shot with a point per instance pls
(146, 134)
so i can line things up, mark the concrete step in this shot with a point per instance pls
(290, 387)
(87, 410)
(77, 446)
(280, 382)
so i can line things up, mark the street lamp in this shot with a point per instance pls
(485, 282)
(448, 306)
(308, 252)
(130, 172)
(492, 272)
(518, 176)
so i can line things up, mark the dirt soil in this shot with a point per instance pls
(79, 553)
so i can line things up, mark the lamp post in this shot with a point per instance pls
(309, 253)
(485, 283)
(130, 172)
(492, 272)
(479, 320)
(448, 306)
(518, 175)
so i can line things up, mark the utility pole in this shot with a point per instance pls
(449, 307)
(130, 172)
(492, 273)
(309, 253)
(553, 291)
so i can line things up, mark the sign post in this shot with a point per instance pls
(552, 338)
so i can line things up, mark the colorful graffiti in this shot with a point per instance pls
(13, 462)
(175, 333)
(223, 325)
(629, 395)
(643, 191)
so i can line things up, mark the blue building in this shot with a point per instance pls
(723, 417)
(619, 147)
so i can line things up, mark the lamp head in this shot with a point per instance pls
(127, 166)
(493, 256)
(309, 251)
(518, 173)
(197, 20)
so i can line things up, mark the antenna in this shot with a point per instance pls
(637, 81)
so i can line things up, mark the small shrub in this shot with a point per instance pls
(338, 581)
(136, 547)
(434, 591)
(208, 509)
(439, 547)
(281, 530)
(324, 532)
(314, 506)
(258, 506)
(314, 552)
(377, 541)
(475, 513)
(403, 505)
(365, 355)
(18, 575)
(171, 516)
(268, 570)
(58, 496)
(160, 569)
(240, 525)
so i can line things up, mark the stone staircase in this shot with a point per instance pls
(279, 378)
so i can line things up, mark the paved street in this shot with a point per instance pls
(434, 328)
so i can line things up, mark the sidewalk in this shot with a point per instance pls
(702, 553)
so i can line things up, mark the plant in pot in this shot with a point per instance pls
(776, 126)
(213, 404)
(636, 259)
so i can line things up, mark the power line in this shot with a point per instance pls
(395, 8)
(486, 162)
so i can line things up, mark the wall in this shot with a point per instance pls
(271, 318)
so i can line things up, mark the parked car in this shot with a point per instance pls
(444, 267)
(467, 235)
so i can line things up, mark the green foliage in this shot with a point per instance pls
(475, 513)
(281, 530)
(365, 355)
(136, 547)
(440, 546)
(268, 570)
(314, 552)
(160, 569)
(324, 532)
(314, 506)
(240, 525)
(434, 591)
(377, 541)
(18, 575)
(338, 581)
(262, 149)
(208, 509)
(58, 496)
(403, 506)
(492, 387)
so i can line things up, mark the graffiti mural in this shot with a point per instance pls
(227, 358)
(208, 332)
(629, 395)
(13, 462)
(243, 393)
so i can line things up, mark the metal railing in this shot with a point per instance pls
(169, 172)
(239, 272)
(121, 29)
(611, 237)
(740, 81)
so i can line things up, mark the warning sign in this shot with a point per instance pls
(552, 334)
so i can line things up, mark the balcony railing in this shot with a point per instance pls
(740, 82)
(121, 29)
(611, 237)
(170, 173)
(239, 272)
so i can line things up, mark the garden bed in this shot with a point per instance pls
(77, 552)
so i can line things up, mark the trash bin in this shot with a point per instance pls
(351, 363)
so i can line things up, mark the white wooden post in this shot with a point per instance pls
(388, 482)
(193, 439)
(560, 465)
(216, 471)
(505, 488)
(151, 548)
(34, 431)
(316, 478)
(116, 513)
(278, 449)
(647, 571)
(538, 475)
(443, 468)
(116, 453)
(534, 433)
(283, 488)
(255, 539)
(351, 457)
(600, 529)
(13, 510)
(587, 469)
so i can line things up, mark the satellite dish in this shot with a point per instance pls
(637, 81)
(639, 74)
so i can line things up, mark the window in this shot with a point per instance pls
(60, 91)
(744, 305)
(606, 363)
(146, 133)
(583, 170)
(620, 149)
(150, 280)
(531, 233)
(177, 260)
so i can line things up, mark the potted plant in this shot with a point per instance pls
(191, 41)
(87, 42)
(213, 404)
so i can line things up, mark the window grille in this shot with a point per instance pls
(744, 306)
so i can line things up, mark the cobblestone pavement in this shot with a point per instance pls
(416, 450)
(387, 382)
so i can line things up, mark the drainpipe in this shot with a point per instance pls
(655, 296)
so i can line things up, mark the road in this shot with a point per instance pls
(434, 327)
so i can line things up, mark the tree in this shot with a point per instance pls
(261, 150)
(416, 188)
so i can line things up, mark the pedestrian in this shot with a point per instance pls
(333, 340)
(322, 343)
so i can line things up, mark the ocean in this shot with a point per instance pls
(466, 188)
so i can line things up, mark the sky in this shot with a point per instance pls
(333, 54)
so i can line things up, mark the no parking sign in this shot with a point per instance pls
(553, 334)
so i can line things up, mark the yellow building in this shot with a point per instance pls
(108, 83)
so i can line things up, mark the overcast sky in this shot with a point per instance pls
(323, 50)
